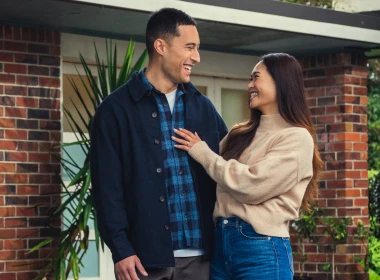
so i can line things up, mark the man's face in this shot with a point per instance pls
(181, 55)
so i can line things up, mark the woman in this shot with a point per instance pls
(267, 171)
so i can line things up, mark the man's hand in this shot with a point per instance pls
(126, 269)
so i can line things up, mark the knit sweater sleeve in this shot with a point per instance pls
(287, 162)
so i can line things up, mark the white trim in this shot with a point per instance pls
(248, 18)
(69, 137)
(227, 84)
(207, 82)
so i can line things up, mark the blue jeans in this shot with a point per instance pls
(242, 254)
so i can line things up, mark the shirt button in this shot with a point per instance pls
(166, 227)
(158, 170)
(154, 114)
(162, 199)
(225, 222)
(156, 142)
(149, 93)
(180, 172)
(183, 193)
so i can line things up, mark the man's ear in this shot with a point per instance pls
(160, 46)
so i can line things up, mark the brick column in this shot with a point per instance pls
(336, 87)
(30, 130)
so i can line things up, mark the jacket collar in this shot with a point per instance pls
(138, 88)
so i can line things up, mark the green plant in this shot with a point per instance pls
(374, 204)
(78, 201)
(305, 227)
(371, 243)
(370, 236)
(374, 114)
(336, 228)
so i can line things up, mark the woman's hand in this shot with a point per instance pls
(188, 141)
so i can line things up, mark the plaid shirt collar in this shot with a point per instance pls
(149, 86)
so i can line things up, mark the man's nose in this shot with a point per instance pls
(196, 57)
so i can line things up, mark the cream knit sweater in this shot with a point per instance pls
(266, 185)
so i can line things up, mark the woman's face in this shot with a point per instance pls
(262, 90)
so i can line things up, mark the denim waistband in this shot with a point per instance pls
(229, 222)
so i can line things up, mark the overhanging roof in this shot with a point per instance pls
(249, 27)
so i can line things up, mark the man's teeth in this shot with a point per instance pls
(188, 68)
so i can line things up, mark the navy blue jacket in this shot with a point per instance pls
(127, 182)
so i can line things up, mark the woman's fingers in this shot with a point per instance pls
(182, 147)
(184, 133)
(180, 141)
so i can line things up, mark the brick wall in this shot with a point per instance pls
(30, 129)
(336, 87)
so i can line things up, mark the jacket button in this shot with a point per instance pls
(149, 93)
(183, 193)
(158, 170)
(154, 114)
(156, 142)
(180, 172)
(166, 227)
(162, 199)
(186, 216)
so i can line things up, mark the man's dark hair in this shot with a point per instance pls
(163, 24)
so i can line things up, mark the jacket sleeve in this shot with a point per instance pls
(107, 188)
(222, 128)
(286, 163)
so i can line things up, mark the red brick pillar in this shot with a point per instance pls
(336, 87)
(30, 129)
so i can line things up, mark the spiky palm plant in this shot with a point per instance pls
(76, 196)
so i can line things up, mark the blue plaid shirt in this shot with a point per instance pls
(180, 192)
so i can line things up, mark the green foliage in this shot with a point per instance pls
(374, 114)
(78, 201)
(326, 4)
(374, 128)
(370, 236)
(305, 227)
(371, 243)
(373, 275)
(371, 261)
(336, 228)
(307, 223)
(374, 204)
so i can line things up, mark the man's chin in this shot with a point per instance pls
(186, 80)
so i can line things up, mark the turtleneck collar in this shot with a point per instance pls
(272, 123)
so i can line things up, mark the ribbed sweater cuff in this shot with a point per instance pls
(203, 154)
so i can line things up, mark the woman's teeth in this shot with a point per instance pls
(253, 94)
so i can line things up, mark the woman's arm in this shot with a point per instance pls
(286, 163)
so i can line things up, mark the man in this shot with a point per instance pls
(154, 203)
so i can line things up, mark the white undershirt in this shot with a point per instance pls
(171, 99)
(191, 252)
(186, 253)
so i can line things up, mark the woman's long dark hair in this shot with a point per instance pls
(287, 75)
